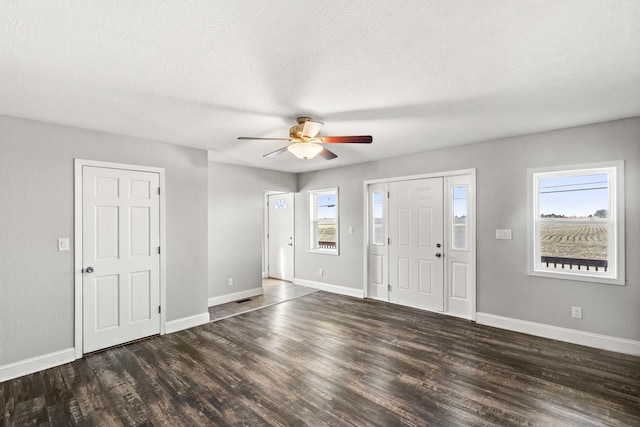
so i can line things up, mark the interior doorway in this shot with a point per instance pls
(280, 236)
(119, 267)
(421, 242)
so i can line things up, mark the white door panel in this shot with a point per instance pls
(121, 237)
(416, 268)
(460, 236)
(281, 241)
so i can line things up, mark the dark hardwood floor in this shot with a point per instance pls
(325, 359)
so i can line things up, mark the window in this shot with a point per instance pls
(576, 223)
(324, 221)
(459, 222)
(377, 223)
(280, 204)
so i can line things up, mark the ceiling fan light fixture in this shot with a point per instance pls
(311, 129)
(305, 150)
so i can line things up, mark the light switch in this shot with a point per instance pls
(351, 229)
(63, 244)
(503, 234)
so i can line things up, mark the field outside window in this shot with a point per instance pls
(577, 224)
(324, 221)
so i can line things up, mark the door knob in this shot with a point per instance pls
(290, 244)
(438, 254)
(88, 270)
(438, 245)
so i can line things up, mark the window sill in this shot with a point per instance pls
(577, 277)
(324, 251)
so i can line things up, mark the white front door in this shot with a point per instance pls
(120, 256)
(378, 254)
(416, 270)
(281, 240)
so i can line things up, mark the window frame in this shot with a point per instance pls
(313, 219)
(616, 225)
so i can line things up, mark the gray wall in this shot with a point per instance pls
(37, 207)
(503, 286)
(236, 213)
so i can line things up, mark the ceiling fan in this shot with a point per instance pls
(306, 141)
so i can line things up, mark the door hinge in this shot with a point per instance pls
(389, 287)
(388, 194)
(158, 191)
(388, 240)
(158, 249)
(159, 309)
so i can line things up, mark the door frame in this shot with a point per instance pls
(265, 231)
(78, 265)
(472, 244)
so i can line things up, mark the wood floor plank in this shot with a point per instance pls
(324, 359)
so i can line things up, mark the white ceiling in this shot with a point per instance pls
(417, 75)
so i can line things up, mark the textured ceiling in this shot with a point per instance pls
(417, 75)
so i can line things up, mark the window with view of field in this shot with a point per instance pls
(459, 223)
(324, 221)
(575, 230)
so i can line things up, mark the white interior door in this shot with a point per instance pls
(281, 242)
(416, 267)
(377, 252)
(120, 256)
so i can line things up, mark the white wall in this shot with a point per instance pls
(503, 286)
(236, 212)
(37, 207)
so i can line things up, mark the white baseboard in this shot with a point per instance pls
(605, 342)
(336, 289)
(35, 364)
(187, 322)
(249, 293)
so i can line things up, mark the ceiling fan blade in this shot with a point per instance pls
(311, 128)
(275, 153)
(268, 139)
(354, 139)
(327, 154)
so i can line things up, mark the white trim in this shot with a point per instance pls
(605, 342)
(78, 165)
(187, 322)
(249, 293)
(615, 171)
(35, 364)
(313, 213)
(336, 289)
(421, 176)
(473, 209)
(265, 229)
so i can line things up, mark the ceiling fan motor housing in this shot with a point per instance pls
(295, 131)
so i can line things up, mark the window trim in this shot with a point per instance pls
(615, 169)
(313, 194)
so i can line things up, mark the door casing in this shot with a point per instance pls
(269, 238)
(78, 243)
(471, 174)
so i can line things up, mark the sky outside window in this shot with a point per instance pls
(326, 206)
(574, 196)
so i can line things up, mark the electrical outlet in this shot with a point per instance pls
(320, 272)
(230, 281)
(576, 312)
